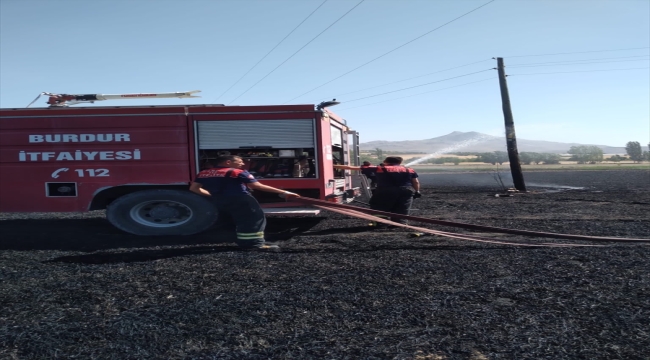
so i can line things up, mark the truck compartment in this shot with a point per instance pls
(281, 153)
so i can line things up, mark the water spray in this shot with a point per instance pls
(452, 148)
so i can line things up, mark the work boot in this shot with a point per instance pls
(416, 234)
(377, 225)
(265, 248)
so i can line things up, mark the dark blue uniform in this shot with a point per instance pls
(394, 192)
(371, 173)
(232, 198)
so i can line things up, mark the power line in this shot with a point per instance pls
(577, 63)
(292, 55)
(451, 87)
(577, 52)
(412, 87)
(579, 71)
(570, 61)
(380, 56)
(267, 54)
(411, 78)
(422, 93)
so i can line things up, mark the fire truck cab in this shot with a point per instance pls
(137, 161)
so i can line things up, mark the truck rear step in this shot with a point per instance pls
(290, 211)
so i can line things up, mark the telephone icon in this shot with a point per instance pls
(55, 174)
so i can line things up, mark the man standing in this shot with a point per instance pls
(397, 186)
(227, 186)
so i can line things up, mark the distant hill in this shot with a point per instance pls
(476, 142)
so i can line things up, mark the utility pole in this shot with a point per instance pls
(511, 139)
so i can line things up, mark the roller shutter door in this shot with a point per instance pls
(230, 134)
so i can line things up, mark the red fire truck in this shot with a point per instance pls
(137, 161)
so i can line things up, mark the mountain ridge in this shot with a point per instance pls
(472, 141)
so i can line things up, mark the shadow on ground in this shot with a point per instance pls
(88, 235)
(151, 255)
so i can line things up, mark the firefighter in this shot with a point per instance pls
(397, 186)
(227, 186)
(370, 173)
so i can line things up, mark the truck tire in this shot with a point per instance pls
(161, 212)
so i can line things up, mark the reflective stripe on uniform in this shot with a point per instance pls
(250, 236)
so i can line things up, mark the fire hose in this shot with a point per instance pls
(373, 215)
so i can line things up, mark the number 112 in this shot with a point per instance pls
(92, 172)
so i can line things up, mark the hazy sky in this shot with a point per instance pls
(402, 69)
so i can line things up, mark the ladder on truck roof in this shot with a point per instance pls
(64, 100)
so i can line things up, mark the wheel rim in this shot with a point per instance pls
(161, 213)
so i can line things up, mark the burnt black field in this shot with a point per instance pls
(73, 287)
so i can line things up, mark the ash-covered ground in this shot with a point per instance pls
(73, 287)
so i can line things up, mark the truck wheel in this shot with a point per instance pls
(161, 212)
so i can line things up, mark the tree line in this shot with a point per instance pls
(582, 154)
(633, 149)
(593, 154)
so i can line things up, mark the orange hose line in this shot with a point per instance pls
(331, 205)
(447, 234)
